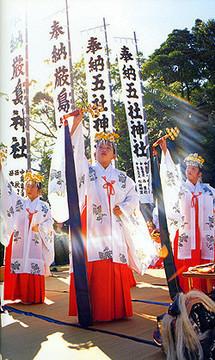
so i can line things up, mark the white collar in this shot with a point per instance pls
(32, 204)
(192, 187)
(102, 170)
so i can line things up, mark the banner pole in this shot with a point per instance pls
(27, 111)
(110, 87)
(70, 59)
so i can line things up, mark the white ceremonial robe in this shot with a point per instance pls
(32, 252)
(125, 238)
(179, 199)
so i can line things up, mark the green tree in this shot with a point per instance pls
(175, 61)
(204, 37)
(180, 91)
(43, 131)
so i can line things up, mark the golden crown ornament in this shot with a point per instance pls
(194, 160)
(29, 176)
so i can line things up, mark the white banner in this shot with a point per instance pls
(17, 143)
(60, 66)
(134, 105)
(98, 84)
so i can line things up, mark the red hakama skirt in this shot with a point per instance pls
(182, 265)
(109, 286)
(24, 287)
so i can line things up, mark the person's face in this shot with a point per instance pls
(32, 190)
(193, 174)
(104, 154)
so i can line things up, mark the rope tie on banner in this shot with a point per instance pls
(27, 313)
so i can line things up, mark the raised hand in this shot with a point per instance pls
(77, 119)
(162, 143)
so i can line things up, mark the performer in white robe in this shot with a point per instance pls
(116, 233)
(190, 210)
(28, 234)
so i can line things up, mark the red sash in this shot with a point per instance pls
(110, 189)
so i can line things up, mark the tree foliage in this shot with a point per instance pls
(180, 91)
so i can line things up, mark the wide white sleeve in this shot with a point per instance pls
(81, 164)
(213, 192)
(141, 248)
(57, 193)
(171, 185)
(131, 200)
(170, 176)
(8, 201)
(45, 230)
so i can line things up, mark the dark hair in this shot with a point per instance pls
(39, 185)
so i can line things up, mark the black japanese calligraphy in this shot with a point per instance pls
(101, 124)
(56, 30)
(100, 101)
(17, 120)
(16, 172)
(139, 149)
(96, 64)
(18, 150)
(57, 53)
(132, 91)
(146, 167)
(16, 42)
(125, 54)
(93, 45)
(129, 72)
(61, 76)
(99, 83)
(18, 93)
(17, 67)
(137, 129)
(63, 101)
(134, 111)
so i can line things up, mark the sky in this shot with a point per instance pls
(151, 20)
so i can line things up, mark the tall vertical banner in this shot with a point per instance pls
(17, 142)
(64, 101)
(134, 105)
(98, 81)
(62, 92)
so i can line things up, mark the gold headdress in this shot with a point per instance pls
(106, 137)
(194, 160)
(3, 154)
(29, 176)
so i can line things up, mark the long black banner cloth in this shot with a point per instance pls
(169, 264)
(78, 253)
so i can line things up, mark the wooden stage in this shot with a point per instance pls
(28, 331)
